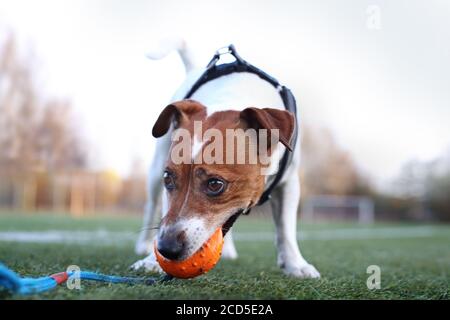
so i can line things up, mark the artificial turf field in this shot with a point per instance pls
(414, 259)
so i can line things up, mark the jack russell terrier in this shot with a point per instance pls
(194, 197)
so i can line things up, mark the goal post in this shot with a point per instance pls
(337, 207)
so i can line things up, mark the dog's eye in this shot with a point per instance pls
(169, 181)
(215, 186)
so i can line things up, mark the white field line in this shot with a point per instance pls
(346, 234)
(65, 236)
(104, 237)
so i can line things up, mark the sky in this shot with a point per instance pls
(382, 89)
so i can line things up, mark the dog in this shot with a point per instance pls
(196, 198)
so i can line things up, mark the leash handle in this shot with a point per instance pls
(214, 71)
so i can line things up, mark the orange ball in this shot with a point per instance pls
(203, 260)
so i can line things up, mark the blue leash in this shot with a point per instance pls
(24, 286)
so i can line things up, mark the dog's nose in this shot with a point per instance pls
(171, 246)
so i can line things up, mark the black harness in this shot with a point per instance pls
(214, 71)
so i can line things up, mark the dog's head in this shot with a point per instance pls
(216, 167)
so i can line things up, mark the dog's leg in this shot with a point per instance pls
(229, 250)
(285, 201)
(150, 264)
(154, 185)
(144, 244)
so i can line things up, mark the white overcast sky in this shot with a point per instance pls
(385, 94)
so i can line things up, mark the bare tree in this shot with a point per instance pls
(35, 131)
(328, 169)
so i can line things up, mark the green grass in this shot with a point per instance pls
(411, 267)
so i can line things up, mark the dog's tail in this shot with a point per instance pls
(168, 45)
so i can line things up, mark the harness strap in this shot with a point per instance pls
(290, 105)
(214, 71)
(229, 223)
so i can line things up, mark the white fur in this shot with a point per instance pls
(229, 250)
(275, 160)
(289, 257)
(149, 264)
(236, 91)
(167, 45)
(144, 245)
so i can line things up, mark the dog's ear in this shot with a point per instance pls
(268, 118)
(176, 113)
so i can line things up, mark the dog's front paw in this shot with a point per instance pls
(304, 271)
(148, 264)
